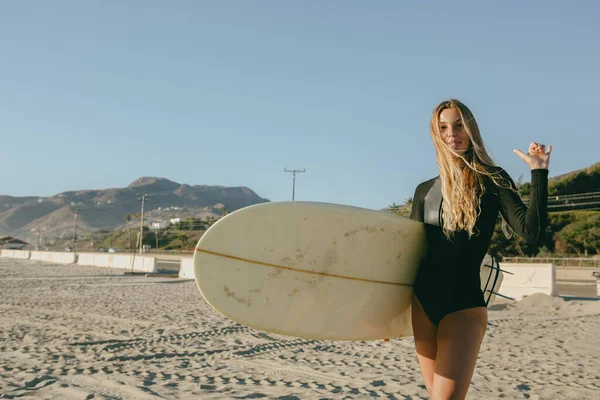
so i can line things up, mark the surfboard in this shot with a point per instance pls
(315, 270)
(491, 277)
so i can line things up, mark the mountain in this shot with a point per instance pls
(106, 209)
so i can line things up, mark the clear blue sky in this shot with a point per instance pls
(96, 94)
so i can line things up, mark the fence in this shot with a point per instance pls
(558, 261)
(189, 252)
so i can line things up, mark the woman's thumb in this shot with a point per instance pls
(520, 154)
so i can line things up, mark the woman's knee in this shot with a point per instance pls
(448, 389)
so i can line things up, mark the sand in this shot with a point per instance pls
(72, 332)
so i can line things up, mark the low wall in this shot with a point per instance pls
(576, 274)
(85, 259)
(186, 269)
(121, 261)
(54, 257)
(20, 254)
(528, 279)
(146, 264)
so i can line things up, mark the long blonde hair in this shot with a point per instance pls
(462, 175)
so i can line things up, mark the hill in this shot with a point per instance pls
(29, 217)
(585, 180)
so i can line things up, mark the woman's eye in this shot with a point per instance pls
(443, 128)
(458, 126)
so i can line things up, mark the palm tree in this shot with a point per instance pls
(393, 208)
(403, 210)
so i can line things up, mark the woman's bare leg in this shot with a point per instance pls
(425, 333)
(458, 342)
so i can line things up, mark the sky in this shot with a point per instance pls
(94, 95)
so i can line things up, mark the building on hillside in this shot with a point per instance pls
(158, 225)
(9, 242)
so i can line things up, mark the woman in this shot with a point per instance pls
(460, 208)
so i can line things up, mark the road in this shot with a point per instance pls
(577, 290)
(168, 265)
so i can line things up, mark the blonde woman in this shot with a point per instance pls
(460, 208)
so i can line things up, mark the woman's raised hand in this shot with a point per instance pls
(536, 157)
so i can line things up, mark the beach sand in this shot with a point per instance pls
(73, 332)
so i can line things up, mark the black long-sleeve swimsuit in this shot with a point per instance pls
(448, 277)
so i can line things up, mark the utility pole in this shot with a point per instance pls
(294, 172)
(142, 199)
(39, 231)
(75, 207)
(44, 235)
(128, 220)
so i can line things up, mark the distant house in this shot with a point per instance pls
(158, 225)
(9, 242)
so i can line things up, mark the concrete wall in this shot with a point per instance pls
(20, 254)
(528, 279)
(86, 259)
(186, 270)
(111, 260)
(54, 257)
(146, 264)
(121, 261)
(567, 274)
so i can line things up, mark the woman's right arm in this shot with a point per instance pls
(416, 211)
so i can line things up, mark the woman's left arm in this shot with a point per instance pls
(529, 221)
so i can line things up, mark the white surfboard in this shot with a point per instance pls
(313, 270)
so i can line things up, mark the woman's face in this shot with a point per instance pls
(453, 132)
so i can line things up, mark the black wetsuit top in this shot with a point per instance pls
(448, 277)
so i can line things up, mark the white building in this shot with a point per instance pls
(158, 225)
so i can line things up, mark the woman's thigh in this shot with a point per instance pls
(458, 342)
(425, 334)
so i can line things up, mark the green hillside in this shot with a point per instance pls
(573, 233)
(173, 239)
(585, 180)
